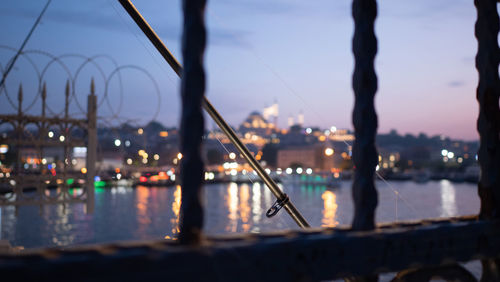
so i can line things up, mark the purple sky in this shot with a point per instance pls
(295, 52)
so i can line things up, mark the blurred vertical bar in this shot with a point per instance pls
(20, 133)
(488, 123)
(364, 118)
(67, 145)
(488, 91)
(18, 188)
(45, 125)
(91, 145)
(192, 120)
(42, 135)
(364, 83)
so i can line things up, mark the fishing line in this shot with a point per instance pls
(396, 206)
(394, 190)
(13, 61)
(168, 76)
(287, 86)
(266, 65)
(397, 197)
(166, 72)
(279, 218)
(307, 105)
(229, 152)
(142, 43)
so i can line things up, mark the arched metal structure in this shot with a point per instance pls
(50, 183)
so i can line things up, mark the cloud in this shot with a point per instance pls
(113, 22)
(422, 10)
(331, 10)
(229, 38)
(468, 59)
(456, 83)
(97, 20)
(267, 7)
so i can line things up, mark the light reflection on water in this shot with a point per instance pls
(142, 195)
(448, 204)
(61, 225)
(176, 208)
(256, 208)
(232, 206)
(126, 213)
(329, 209)
(244, 208)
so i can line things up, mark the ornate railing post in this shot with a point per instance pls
(192, 121)
(44, 99)
(67, 141)
(20, 101)
(488, 91)
(364, 83)
(488, 123)
(20, 132)
(91, 145)
(43, 128)
(66, 100)
(364, 118)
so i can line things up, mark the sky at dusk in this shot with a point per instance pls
(297, 53)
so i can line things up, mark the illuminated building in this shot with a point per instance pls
(341, 135)
(256, 123)
(271, 113)
(312, 156)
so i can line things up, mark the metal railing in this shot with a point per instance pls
(38, 133)
(364, 116)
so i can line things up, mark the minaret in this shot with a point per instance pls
(276, 113)
(300, 119)
(290, 121)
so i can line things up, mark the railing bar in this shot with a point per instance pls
(364, 117)
(488, 122)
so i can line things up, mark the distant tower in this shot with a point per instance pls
(290, 121)
(277, 112)
(300, 119)
(271, 113)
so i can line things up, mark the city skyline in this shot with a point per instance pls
(425, 62)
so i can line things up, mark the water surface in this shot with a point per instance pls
(126, 213)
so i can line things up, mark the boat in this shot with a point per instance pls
(331, 180)
(472, 173)
(421, 176)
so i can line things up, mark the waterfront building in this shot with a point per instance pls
(341, 135)
(306, 156)
(256, 123)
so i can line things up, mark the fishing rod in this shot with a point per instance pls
(282, 199)
(13, 61)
